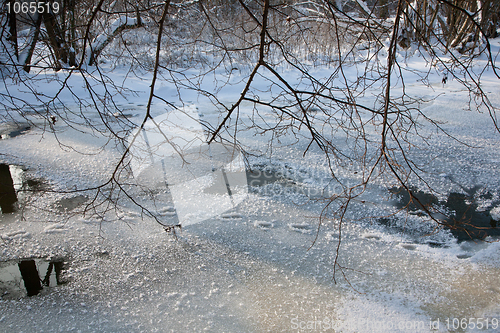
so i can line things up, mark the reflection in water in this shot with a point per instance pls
(27, 273)
(58, 267)
(7, 192)
(16, 189)
(30, 277)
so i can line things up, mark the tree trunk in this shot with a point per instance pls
(25, 56)
(12, 23)
(72, 32)
(56, 39)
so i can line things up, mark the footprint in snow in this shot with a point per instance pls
(371, 236)
(232, 216)
(90, 220)
(464, 256)
(167, 211)
(331, 236)
(264, 225)
(55, 228)
(300, 227)
(410, 247)
(16, 235)
(128, 214)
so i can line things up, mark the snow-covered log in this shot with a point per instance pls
(101, 41)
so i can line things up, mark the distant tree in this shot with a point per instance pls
(456, 24)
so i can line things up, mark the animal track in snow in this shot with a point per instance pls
(371, 236)
(167, 211)
(55, 228)
(410, 247)
(331, 236)
(300, 227)
(16, 235)
(127, 214)
(233, 216)
(90, 220)
(264, 225)
(464, 256)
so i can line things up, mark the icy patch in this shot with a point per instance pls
(467, 210)
(204, 180)
(10, 130)
(483, 252)
(68, 204)
(364, 314)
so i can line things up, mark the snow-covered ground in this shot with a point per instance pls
(252, 268)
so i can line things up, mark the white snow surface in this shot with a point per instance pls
(259, 265)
